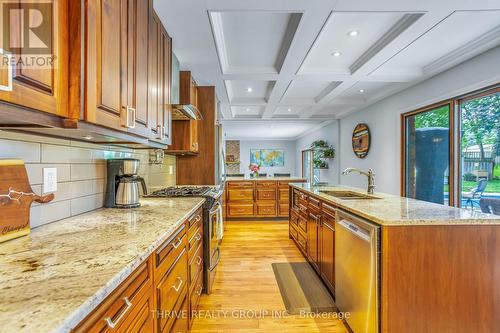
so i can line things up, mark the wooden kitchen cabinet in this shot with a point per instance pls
(327, 246)
(313, 234)
(40, 88)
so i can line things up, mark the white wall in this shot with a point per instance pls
(383, 118)
(329, 133)
(287, 145)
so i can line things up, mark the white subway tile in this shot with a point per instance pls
(29, 152)
(46, 213)
(87, 171)
(35, 172)
(86, 204)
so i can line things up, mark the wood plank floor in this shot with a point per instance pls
(246, 294)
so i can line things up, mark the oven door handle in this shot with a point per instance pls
(211, 268)
(214, 209)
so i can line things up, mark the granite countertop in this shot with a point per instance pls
(247, 178)
(53, 278)
(392, 210)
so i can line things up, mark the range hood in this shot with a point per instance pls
(183, 85)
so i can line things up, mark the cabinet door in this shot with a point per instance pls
(155, 77)
(137, 65)
(327, 261)
(39, 72)
(144, 320)
(166, 86)
(312, 239)
(106, 58)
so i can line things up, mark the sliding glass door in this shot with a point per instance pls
(480, 151)
(428, 154)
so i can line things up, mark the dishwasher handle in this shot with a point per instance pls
(356, 230)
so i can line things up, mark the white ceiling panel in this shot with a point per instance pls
(247, 111)
(363, 91)
(307, 91)
(253, 41)
(335, 51)
(288, 111)
(249, 91)
(460, 36)
(271, 130)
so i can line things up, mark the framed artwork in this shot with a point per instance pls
(361, 140)
(268, 157)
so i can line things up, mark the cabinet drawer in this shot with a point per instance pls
(181, 323)
(313, 204)
(144, 320)
(194, 242)
(240, 194)
(301, 240)
(283, 184)
(294, 217)
(240, 210)
(168, 253)
(266, 209)
(240, 184)
(283, 195)
(302, 222)
(266, 194)
(193, 220)
(122, 304)
(265, 184)
(195, 265)
(328, 210)
(171, 288)
(303, 210)
(195, 295)
(283, 209)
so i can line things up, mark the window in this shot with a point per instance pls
(433, 170)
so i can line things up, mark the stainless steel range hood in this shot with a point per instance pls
(180, 111)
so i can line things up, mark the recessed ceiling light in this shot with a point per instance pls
(249, 89)
(289, 110)
(247, 109)
(88, 137)
(353, 33)
(336, 54)
(361, 90)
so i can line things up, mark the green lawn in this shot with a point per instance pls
(493, 186)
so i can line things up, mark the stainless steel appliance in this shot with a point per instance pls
(357, 252)
(213, 224)
(122, 188)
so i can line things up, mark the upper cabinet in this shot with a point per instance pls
(36, 77)
(116, 72)
(160, 69)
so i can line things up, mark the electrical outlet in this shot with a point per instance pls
(170, 169)
(49, 180)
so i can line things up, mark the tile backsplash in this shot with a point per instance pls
(81, 171)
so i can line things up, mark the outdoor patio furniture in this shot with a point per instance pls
(475, 193)
(490, 205)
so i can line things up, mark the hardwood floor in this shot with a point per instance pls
(246, 294)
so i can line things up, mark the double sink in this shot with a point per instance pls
(349, 195)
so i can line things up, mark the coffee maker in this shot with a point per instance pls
(122, 188)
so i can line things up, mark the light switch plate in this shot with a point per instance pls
(170, 169)
(49, 180)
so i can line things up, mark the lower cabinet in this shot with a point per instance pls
(162, 293)
(312, 227)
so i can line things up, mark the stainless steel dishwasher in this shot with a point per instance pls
(357, 252)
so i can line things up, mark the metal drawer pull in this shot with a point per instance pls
(179, 241)
(110, 322)
(198, 260)
(178, 286)
(198, 237)
(199, 291)
(129, 117)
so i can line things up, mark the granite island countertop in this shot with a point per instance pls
(392, 210)
(53, 278)
(246, 178)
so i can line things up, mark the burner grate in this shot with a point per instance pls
(185, 191)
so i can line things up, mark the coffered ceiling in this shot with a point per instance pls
(293, 59)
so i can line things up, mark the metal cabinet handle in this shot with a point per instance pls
(198, 260)
(198, 237)
(161, 132)
(129, 117)
(110, 322)
(199, 291)
(178, 287)
(179, 241)
(8, 87)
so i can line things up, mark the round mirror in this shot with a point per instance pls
(361, 140)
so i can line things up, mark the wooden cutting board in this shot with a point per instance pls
(16, 197)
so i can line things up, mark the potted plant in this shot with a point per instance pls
(254, 169)
(322, 151)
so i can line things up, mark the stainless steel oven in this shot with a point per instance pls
(214, 229)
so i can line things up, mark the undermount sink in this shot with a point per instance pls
(349, 195)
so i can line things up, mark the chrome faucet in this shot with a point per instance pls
(370, 174)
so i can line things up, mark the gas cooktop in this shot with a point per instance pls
(182, 191)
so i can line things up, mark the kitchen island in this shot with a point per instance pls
(82, 268)
(436, 268)
(261, 197)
